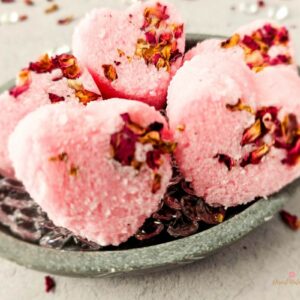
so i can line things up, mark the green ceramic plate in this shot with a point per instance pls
(162, 256)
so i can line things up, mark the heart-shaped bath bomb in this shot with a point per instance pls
(49, 80)
(134, 53)
(236, 141)
(99, 171)
(260, 44)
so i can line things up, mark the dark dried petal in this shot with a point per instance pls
(66, 20)
(68, 65)
(156, 184)
(239, 106)
(182, 227)
(55, 98)
(250, 43)
(293, 155)
(166, 214)
(44, 65)
(252, 133)
(255, 156)
(290, 220)
(49, 284)
(150, 229)
(110, 72)
(197, 210)
(153, 159)
(172, 202)
(231, 42)
(225, 159)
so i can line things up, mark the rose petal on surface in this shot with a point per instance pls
(50, 284)
(225, 159)
(55, 98)
(68, 65)
(65, 21)
(110, 72)
(255, 156)
(23, 83)
(290, 220)
(44, 65)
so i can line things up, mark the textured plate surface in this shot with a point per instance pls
(152, 258)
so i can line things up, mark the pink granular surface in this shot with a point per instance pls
(214, 45)
(197, 99)
(96, 42)
(105, 202)
(12, 109)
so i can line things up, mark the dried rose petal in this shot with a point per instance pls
(23, 83)
(240, 106)
(151, 37)
(150, 229)
(110, 72)
(55, 98)
(252, 133)
(156, 184)
(22, 18)
(123, 146)
(255, 156)
(172, 202)
(291, 220)
(44, 65)
(231, 42)
(197, 210)
(60, 157)
(66, 20)
(74, 170)
(29, 2)
(250, 43)
(7, 1)
(225, 159)
(293, 155)
(166, 214)
(49, 284)
(178, 31)
(68, 65)
(182, 227)
(81, 93)
(52, 8)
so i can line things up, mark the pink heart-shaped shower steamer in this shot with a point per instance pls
(213, 104)
(245, 42)
(88, 171)
(40, 84)
(134, 53)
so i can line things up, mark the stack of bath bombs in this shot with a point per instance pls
(100, 168)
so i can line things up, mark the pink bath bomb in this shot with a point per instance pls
(236, 141)
(260, 44)
(40, 84)
(99, 171)
(207, 46)
(134, 53)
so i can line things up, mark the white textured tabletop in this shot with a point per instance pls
(247, 269)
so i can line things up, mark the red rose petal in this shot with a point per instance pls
(225, 159)
(290, 220)
(68, 65)
(49, 284)
(44, 65)
(54, 98)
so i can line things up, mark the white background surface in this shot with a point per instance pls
(247, 269)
